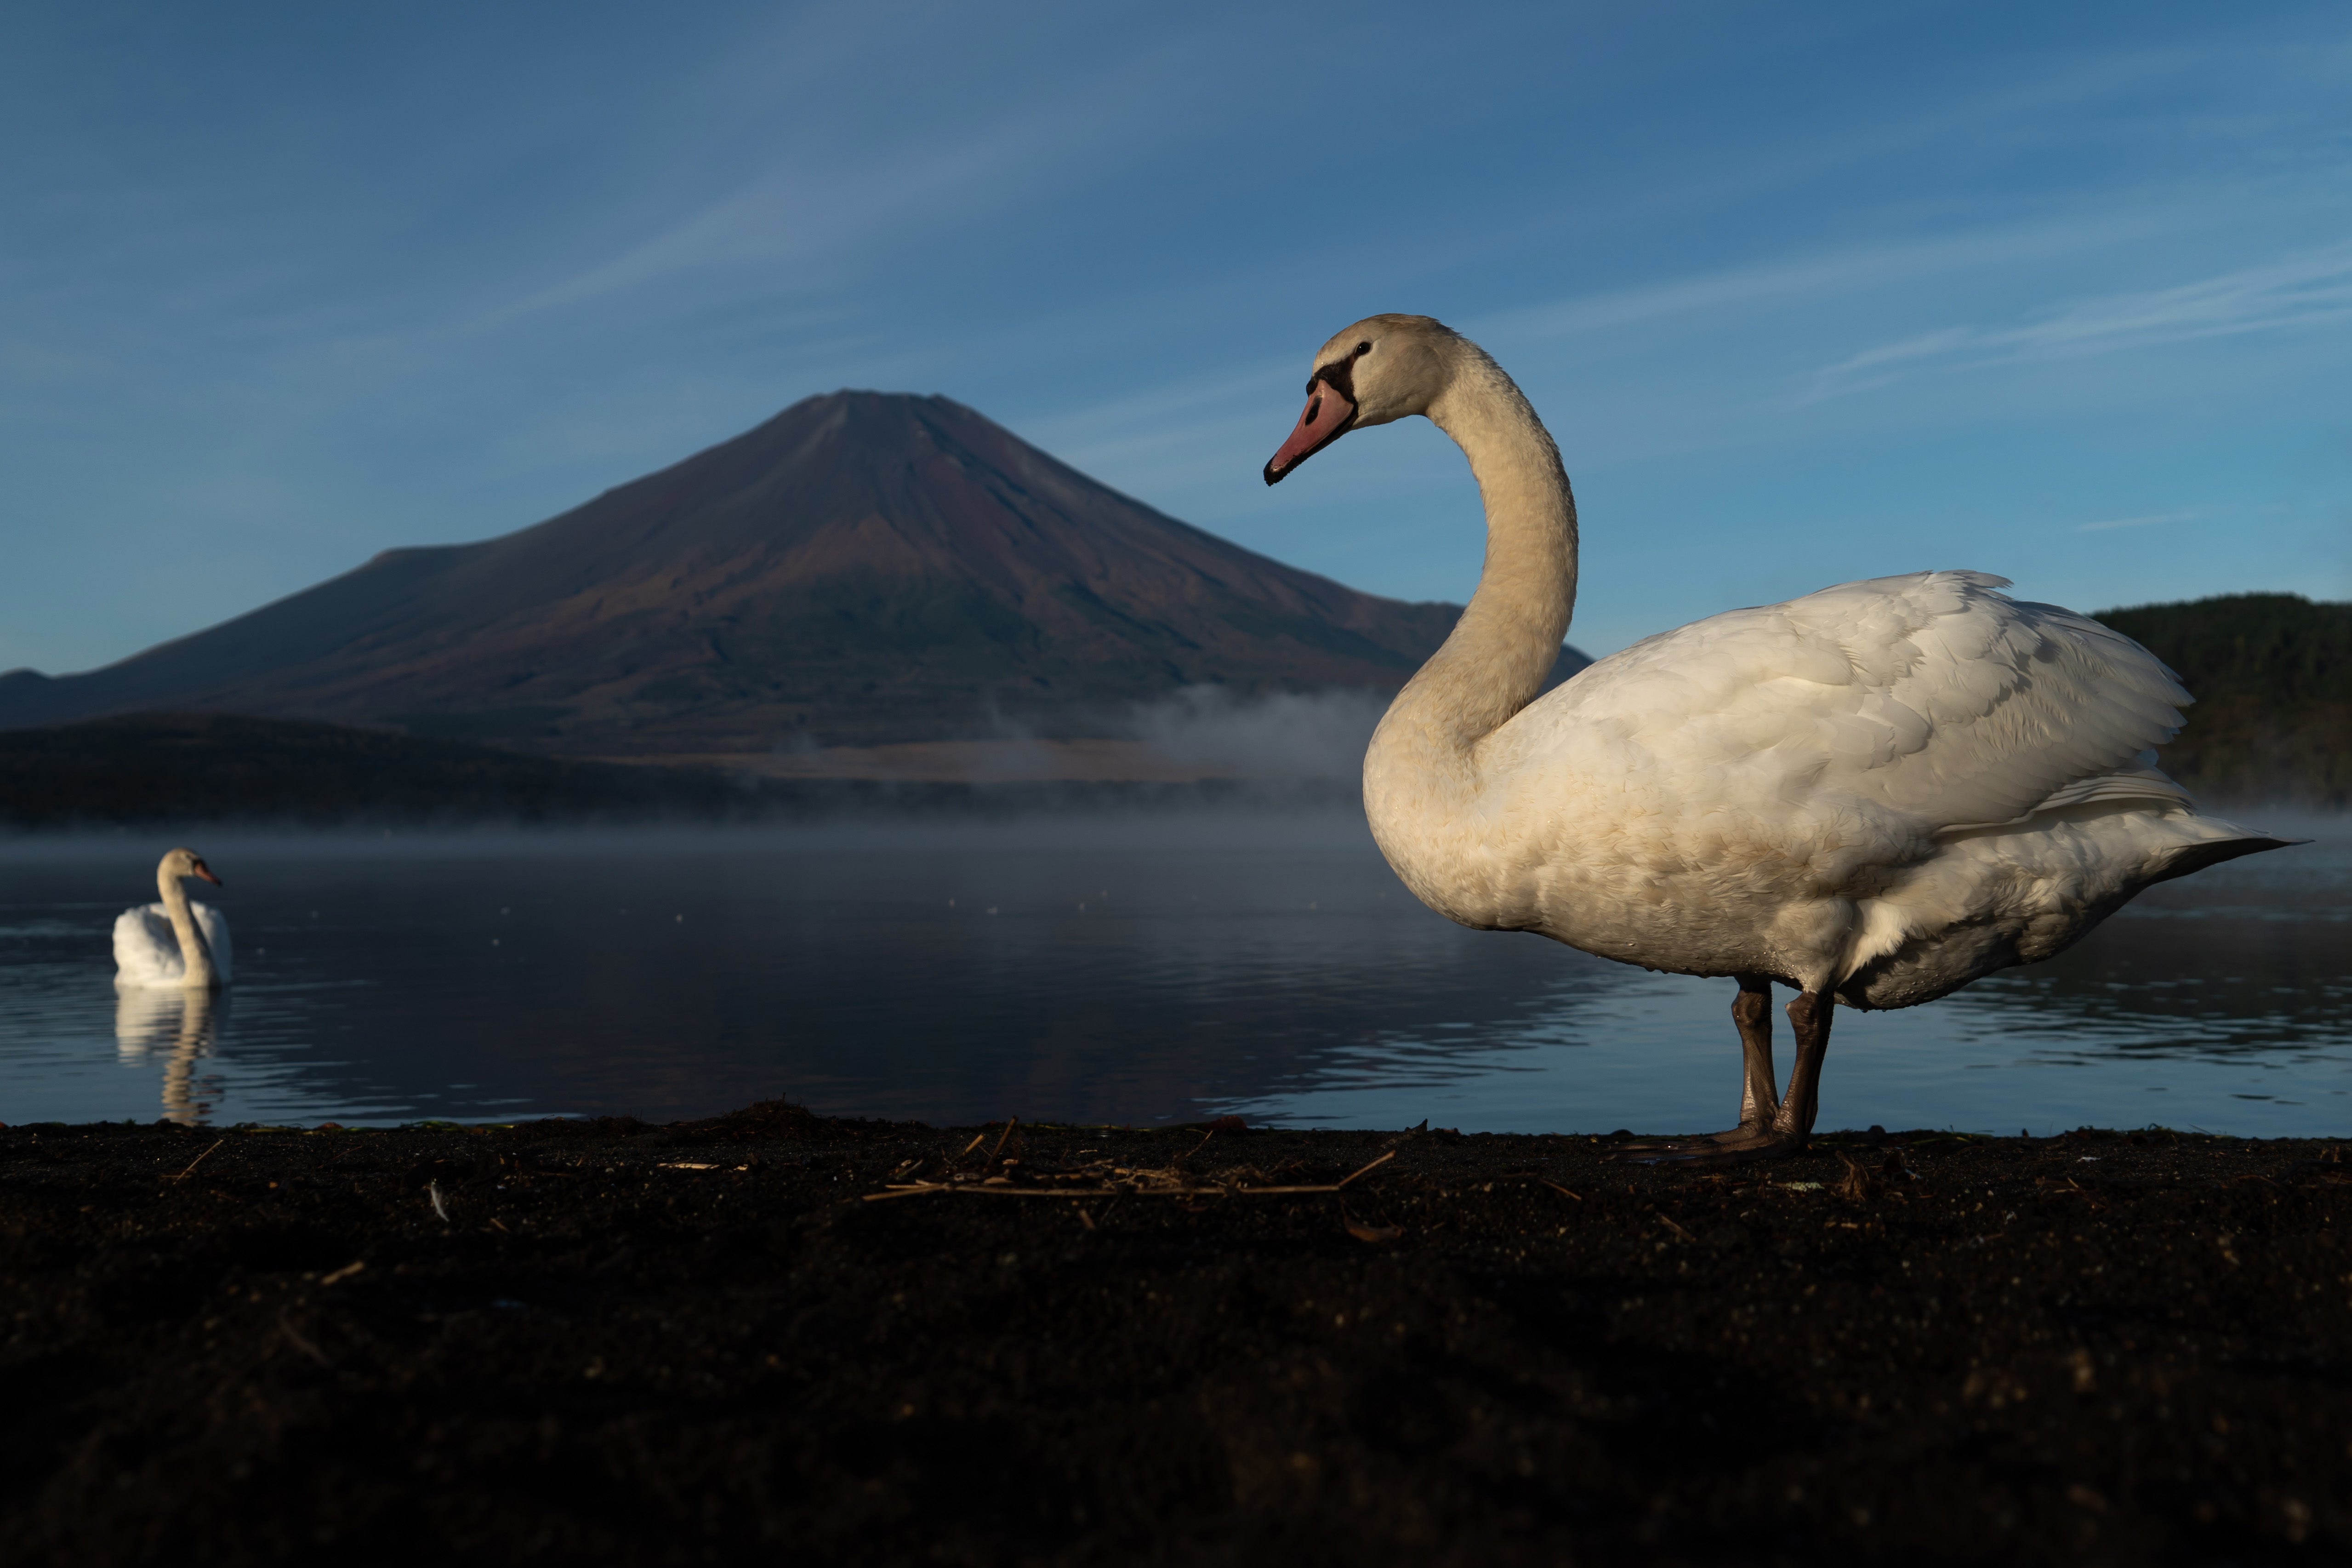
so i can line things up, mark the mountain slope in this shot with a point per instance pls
(862, 568)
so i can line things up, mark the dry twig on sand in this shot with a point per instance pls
(294, 1337)
(1106, 1181)
(198, 1160)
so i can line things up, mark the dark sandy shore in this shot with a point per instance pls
(702, 1343)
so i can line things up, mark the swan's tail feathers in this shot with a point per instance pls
(2132, 784)
(2146, 785)
(2190, 859)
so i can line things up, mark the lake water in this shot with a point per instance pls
(1101, 970)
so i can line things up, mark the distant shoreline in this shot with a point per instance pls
(154, 770)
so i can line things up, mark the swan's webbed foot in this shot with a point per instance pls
(1770, 1127)
(1739, 1146)
(1704, 1143)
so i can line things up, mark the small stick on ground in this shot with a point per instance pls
(1010, 1124)
(909, 1192)
(294, 1338)
(998, 1187)
(1563, 1192)
(1006, 1190)
(198, 1160)
(975, 1143)
(1675, 1228)
(345, 1273)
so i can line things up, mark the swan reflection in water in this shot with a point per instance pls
(182, 1026)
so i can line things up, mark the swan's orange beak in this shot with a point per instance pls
(206, 873)
(1329, 415)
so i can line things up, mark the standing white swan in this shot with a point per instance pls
(173, 945)
(1875, 793)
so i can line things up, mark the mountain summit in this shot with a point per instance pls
(862, 568)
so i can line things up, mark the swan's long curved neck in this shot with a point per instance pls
(194, 956)
(1509, 638)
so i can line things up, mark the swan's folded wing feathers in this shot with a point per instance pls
(2026, 701)
(146, 949)
(1930, 695)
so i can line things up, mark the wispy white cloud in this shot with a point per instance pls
(1173, 438)
(805, 211)
(2149, 522)
(1161, 439)
(2310, 290)
(794, 215)
(1788, 277)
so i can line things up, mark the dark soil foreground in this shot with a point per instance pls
(700, 1342)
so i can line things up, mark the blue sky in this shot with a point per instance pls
(1806, 292)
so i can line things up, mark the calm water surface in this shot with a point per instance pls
(1104, 971)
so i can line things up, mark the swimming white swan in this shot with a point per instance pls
(173, 943)
(1875, 793)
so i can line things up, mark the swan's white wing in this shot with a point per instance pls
(1930, 695)
(146, 953)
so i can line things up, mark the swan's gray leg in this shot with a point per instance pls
(1751, 1010)
(1809, 1016)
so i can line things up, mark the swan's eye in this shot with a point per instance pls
(1363, 348)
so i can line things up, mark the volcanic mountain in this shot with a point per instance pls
(864, 568)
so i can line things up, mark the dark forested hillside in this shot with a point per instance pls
(2271, 674)
(204, 767)
(153, 770)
